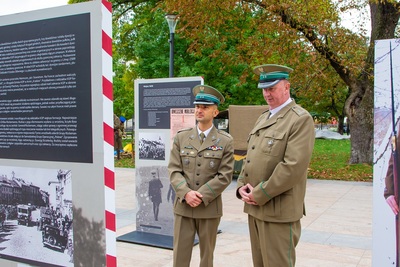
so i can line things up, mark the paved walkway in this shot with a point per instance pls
(337, 231)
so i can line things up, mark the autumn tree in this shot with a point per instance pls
(141, 38)
(311, 27)
(306, 35)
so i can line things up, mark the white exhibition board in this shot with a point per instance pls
(162, 107)
(56, 151)
(386, 75)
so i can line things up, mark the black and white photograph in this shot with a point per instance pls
(155, 200)
(36, 216)
(152, 146)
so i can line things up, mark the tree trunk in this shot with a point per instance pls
(359, 109)
(359, 106)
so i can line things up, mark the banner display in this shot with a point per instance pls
(386, 123)
(56, 138)
(162, 107)
(44, 104)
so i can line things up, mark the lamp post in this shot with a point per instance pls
(172, 21)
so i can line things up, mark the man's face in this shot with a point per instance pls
(205, 113)
(277, 94)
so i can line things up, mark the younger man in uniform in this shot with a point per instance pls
(200, 168)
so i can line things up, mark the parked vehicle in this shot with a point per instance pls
(241, 120)
(54, 238)
(25, 214)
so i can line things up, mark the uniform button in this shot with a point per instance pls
(200, 155)
(197, 183)
(253, 147)
(198, 174)
(198, 164)
(258, 134)
(246, 175)
(248, 161)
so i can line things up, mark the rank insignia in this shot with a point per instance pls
(214, 148)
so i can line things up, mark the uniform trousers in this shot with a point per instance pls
(273, 244)
(185, 229)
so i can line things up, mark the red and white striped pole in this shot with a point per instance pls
(108, 132)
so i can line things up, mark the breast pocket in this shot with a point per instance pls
(188, 159)
(273, 143)
(212, 159)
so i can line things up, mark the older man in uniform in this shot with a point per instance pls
(200, 168)
(272, 182)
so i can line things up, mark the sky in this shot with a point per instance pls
(17, 6)
(351, 20)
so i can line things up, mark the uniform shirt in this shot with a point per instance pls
(279, 152)
(277, 109)
(206, 168)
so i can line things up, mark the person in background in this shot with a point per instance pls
(200, 168)
(119, 132)
(272, 182)
(155, 186)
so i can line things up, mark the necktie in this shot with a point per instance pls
(202, 136)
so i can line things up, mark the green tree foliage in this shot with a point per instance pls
(307, 36)
(223, 40)
(142, 38)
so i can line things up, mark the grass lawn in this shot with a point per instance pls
(126, 161)
(330, 159)
(329, 162)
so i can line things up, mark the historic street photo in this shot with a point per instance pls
(36, 216)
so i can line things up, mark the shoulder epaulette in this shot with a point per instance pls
(299, 110)
(224, 133)
(184, 130)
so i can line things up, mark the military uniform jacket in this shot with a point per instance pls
(278, 154)
(206, 168)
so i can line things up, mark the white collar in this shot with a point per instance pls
(206, 132)
(277, 109)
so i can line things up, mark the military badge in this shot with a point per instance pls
(212, 164)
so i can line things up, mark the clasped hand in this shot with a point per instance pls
(246, 192)
(193, 198)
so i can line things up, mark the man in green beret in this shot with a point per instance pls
(200, 168)
(272, 182)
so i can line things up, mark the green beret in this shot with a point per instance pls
(271, 74)
(207, 95)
